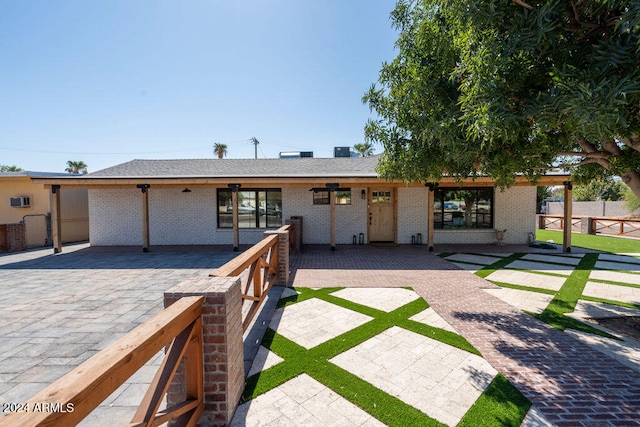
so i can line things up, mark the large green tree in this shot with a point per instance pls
(507, 87)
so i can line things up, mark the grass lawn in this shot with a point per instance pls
(588, 241)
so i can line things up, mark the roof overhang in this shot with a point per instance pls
(274, 182)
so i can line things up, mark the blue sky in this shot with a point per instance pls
(110, 81)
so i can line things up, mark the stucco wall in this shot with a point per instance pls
(17, 187)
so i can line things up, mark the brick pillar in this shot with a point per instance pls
(586, 225)
(223, 356)
(283, 254)
(16, 235)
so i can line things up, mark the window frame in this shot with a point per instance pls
(439, 213)
(257, 216)
(318, 198)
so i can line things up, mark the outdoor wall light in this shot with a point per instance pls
(363, 194)
(186, 190)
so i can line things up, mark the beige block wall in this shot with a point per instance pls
(21, 186)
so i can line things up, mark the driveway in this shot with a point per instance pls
(56, 311)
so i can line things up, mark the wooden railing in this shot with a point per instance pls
(617, 227)
(257, 267)
(556, 222)
(80, 391)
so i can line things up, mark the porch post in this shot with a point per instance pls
(234, 215)
(56, 220)
(332, 221)
(145, 216)
(430, 213)
(568, 213)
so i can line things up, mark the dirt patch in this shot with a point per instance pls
(627, 325)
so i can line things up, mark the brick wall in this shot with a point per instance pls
(115, 217)
(223, 361)
(15, 236)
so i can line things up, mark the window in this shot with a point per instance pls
(256, 208)
(342, 196)
(381, 197)
(466, 208)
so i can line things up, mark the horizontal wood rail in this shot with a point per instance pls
(260, 263)
(86, 386)
(556, 222)
(616, 227)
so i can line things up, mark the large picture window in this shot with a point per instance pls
(256, 208)
(463, 208)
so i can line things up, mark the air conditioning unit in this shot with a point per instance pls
(19, 202)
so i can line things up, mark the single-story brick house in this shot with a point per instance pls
(225, 201)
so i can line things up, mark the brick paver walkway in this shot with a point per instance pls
(568, 381)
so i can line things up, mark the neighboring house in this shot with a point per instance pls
(191, 202)
(25, 201)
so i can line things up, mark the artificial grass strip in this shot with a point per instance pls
(566, 299)
(386, 408)
(501, 404)
(500, 264)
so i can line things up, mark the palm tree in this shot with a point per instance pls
(76, 167)
(7, 168)
(220, 150)
(365, 149)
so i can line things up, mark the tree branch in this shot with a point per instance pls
(523, 4)
(611, 147)
(593, 155)
(632, 142)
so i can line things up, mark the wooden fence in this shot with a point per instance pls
(593, 225)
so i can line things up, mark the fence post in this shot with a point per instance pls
(541, 222)
(223, 353)
(283, 253)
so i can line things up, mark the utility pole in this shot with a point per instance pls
(255, 143)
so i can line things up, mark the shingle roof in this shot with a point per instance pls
(244, 168)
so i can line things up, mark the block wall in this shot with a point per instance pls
(115, 217)
(412, 213)
(350, 219)
(515, 211)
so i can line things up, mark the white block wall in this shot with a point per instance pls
(412, 213)
(175, 218)
(350, 219)
(515, 211)
(115, 217)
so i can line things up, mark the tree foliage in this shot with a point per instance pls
(220, 149)
(8, 168)
(606, 189)
(76, 167)
(507, 87)
(365, 149)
